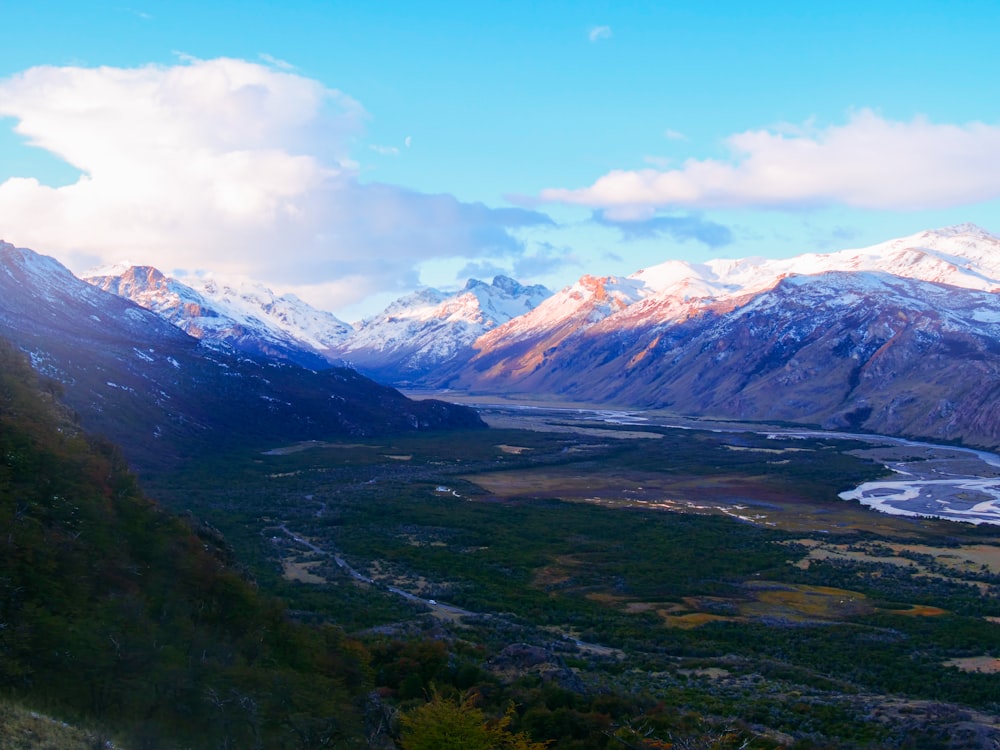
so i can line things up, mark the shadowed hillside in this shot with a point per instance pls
(122, 615)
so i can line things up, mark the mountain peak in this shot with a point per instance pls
(507, 284)
(241, 313)
(966, 228)
(429, 330)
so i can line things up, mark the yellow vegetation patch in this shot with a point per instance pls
(555, 574)
(971, 558)
(301, 571)
(986, 664)
(917, 610)
(693, 620)
(966, 557)
(515, 450)
(604, 598)
(797, 602)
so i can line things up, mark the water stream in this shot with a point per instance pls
(930, 480)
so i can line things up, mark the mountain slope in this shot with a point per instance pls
(118, 613)
(859, 351)
(527, 342)
(162, 395)
(247, 316)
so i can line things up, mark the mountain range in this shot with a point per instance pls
(900, 338)
(163, 395)
(413, 338)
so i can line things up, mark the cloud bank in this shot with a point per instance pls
(230, 166)
(868, 163)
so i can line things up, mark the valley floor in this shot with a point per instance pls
(712, 573)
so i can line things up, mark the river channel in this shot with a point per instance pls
(927, 479)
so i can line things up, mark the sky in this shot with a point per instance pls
(353, 152)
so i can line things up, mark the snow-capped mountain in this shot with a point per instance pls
(964, 255)
(243, 314)
(420, 333)
(431, 331)
(901, 337)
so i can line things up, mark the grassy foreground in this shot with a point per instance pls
(23, 729)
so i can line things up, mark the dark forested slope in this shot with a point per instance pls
(113, 611)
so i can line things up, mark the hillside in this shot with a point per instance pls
(130, 618)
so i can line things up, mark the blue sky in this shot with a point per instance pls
(351, 152)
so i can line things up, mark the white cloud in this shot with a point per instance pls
(869, 162)
(276, 62)
(229, 166)
(599, 32)
(384, 150)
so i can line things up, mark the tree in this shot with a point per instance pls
(443, 724)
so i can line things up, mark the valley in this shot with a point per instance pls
(922, 479)
(572, 557)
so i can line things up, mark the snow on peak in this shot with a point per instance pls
(574, 308)
(112, 269)
(213, 309)
(45, 272)
(965, 229)
(964, 255)
(431, 325)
